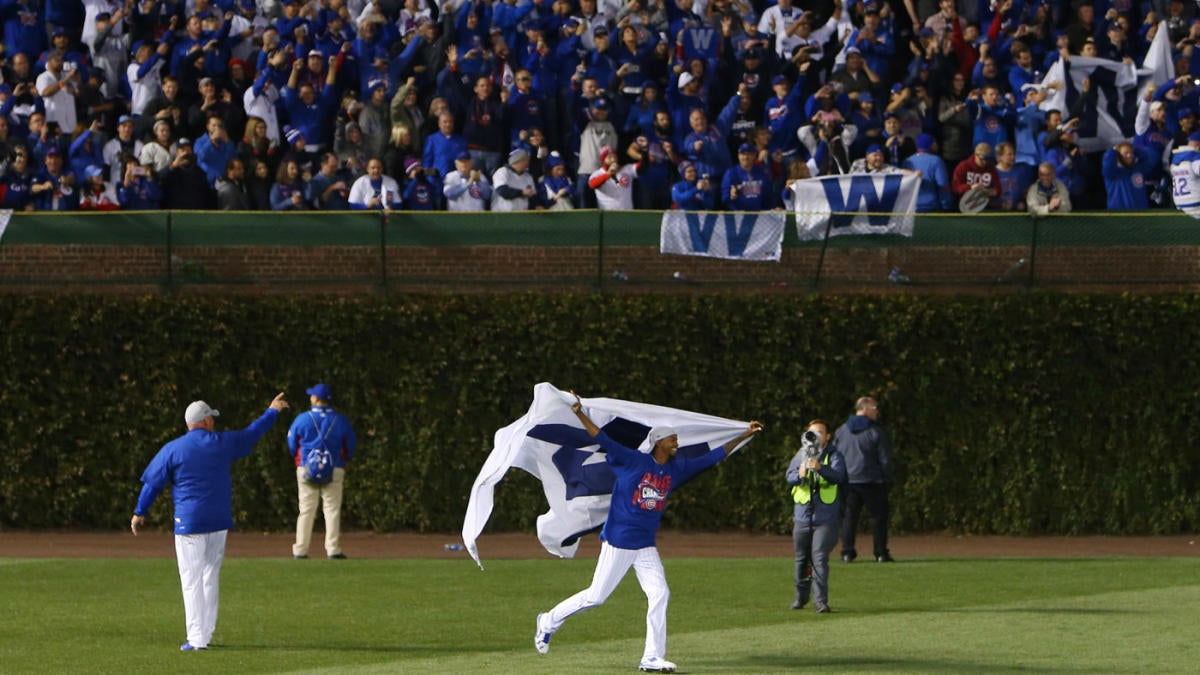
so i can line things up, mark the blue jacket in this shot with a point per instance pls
(818, 511)
(866, 448)
(640, 491)
(1126, 187)
(754, 189)
(440, 151)
(934, 194)
(197, 466)
(313, 121)
(309, 428)
(212, 158)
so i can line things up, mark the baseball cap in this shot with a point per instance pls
(925, 142)
(197, 411)
(866, 97)
(136, 46)
(658, 433)
(5, 89)
(600, 103)
(685, 78)
(517, 155)
(897, 88)
(1194, 137)
(321, 391)
(124, 118)
(684, 166)
(750, 17)
(93, 171)
(752, 53)
(746, 147)
(873, 148)
(600, 30)
(462, 156)
(852, 50)
(605, 151)
(183, 141)
(779, 79)
(1183, 112)
(1157, 105)
(53, 152)
(554, 160)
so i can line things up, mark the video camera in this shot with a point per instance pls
(810, 445)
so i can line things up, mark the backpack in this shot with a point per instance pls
(318, 462)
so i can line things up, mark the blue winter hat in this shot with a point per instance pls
(554, 160)
(292, 134)
(321, 391)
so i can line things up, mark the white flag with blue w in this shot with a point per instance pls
(875, 203)
(733, 236)
(550, 443)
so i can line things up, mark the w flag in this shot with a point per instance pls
(733, 236)
(549, 442)
(872, 203)
(1111, 109)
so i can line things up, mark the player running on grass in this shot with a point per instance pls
(639, 497)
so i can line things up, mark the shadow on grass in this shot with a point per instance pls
(797, 662)
(418, 650)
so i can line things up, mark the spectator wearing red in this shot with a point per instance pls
(977, 175)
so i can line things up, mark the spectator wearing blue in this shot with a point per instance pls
(1014, 179)
(1125, 169)
(16, 187)
(73, 60)
(189, 47)
(692, 193)
(329, 188)
(309, 111)
(934, 194)
(869, 123)
(138, 191)
(746, 186)
(784, 114)
(291, 19)
(682, 99)
(656, 156)
(640, 119)
(287, 194)
(214, 150)
(1155, 135)
(1028, 125)
(1069, 160)
(991, 115)
(706, 142)
(526, 108)
(54, 188)
(421, 191)
(874, 41)
(486, 127)
(87, 149)
(556, 188)
(1020, 71)
(443, 147)
(23, 20)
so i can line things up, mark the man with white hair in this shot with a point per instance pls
(197, 467)
(643, 483)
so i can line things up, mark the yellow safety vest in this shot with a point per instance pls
(826, 492)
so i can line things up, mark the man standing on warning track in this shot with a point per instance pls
(197, 466)
(639, 497)
(320, 427)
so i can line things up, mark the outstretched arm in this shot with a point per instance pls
(754, 428)
(588, 424)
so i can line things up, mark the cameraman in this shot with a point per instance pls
(815, 474)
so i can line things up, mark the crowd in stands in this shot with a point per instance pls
(510, 105)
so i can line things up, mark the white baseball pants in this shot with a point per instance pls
(329, 496)
(200, 557)
(610, 569)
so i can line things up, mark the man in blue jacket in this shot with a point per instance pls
(320, 427)
(640, 491)
(867, 451)
(1125, 171)
(197, 466)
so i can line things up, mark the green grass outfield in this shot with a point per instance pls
(727, 616)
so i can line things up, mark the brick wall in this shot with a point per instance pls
(413, 268)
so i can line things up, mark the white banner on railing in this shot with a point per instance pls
(5, 216)
(856, 204)
(733, 236)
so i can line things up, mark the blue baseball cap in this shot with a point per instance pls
(746, 147)
(874, 147)
(321, 391)
(1194, 137)
(925, 142)
(866, 97)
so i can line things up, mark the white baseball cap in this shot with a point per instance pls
(659, 433)
(197, 411)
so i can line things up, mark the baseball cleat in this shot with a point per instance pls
(187, 647)
(541, 637)
(656, 665)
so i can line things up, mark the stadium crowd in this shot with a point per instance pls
(555, 104)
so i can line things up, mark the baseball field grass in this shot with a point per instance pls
(726, 616)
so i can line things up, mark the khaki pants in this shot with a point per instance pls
(330, 496)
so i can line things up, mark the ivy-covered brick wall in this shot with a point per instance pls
(1020, 414)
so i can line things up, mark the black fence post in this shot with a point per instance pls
(383, 274)
(170, 255)
(816, 282)
(600, 252)
(1033, 247)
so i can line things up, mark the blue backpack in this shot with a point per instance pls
(318, 462)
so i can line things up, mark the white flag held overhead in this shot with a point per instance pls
(550, 443)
